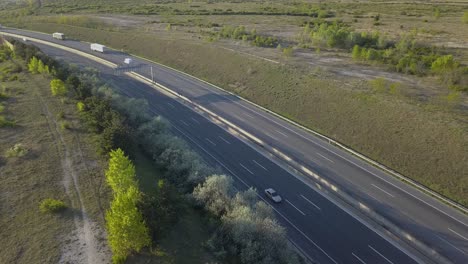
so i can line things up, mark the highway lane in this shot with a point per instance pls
(427, 219)
(326, 232)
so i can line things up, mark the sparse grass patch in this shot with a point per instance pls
(18, 150)
(52, 206)
(65, 125)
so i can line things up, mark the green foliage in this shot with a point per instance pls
(4, 122)
(5, 53)
(288, 51)
(2, 108)
(80, 106)
(127, 231)
(33, 65)
(241, 33)
(121, 173)
(52, 206)
(465, 17)
(356, 53)
(248, 227)
(58, 88)
(18, 150)
(436, 13)
(65, 125)
(444, 64)
(160, 207)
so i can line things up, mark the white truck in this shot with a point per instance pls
(58, 35)
(98, 47)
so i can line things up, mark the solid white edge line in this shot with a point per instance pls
(380, 254)
(452, 245)
(223, 139)
(242, 165)
(281, 133)
(316, 206)
(194, 120)
(358, 258)
(207, 139)
(259, 165)
(295, 207)
(325, 157)
(382, 190)
(458, 234)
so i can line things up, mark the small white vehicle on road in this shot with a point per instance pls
(273, 195)
(98, 47)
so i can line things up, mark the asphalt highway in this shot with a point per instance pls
(323, 230)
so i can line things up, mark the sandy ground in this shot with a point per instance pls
(87, 243)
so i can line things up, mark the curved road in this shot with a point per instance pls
(323, 229)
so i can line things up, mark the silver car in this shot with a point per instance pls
(273, 195)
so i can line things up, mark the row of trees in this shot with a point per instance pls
(126, 229)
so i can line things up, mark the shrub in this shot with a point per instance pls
(465, 17)
(2, 108)
(4, 122)
(65, 125)
(52, 206)
(80, 106)
(18, 150)
(288, 52)
(57, 87)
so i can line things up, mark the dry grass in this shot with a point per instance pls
(27, 235)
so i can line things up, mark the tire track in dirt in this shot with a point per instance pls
(82, 245)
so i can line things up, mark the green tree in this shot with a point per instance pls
(121, 172)
(126, 229)
(57, 87)
(33, 65)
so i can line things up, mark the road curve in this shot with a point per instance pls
(320, 227)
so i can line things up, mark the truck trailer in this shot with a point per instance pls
(58, 35)
(98, 47)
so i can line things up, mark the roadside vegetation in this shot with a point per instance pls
(408, 111)
(138, 220)
(39, 211)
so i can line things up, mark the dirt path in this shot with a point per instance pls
(87, 243)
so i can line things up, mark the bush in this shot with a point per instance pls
(247, 225)
(52, 206)
(80, 106)
(18, 150)
(4, 122)
(465, 17)
(64, 125)
(57, 87)
(2, 108)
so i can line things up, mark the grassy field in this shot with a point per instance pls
(29, 236)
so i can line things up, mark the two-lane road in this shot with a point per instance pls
(310, 215)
